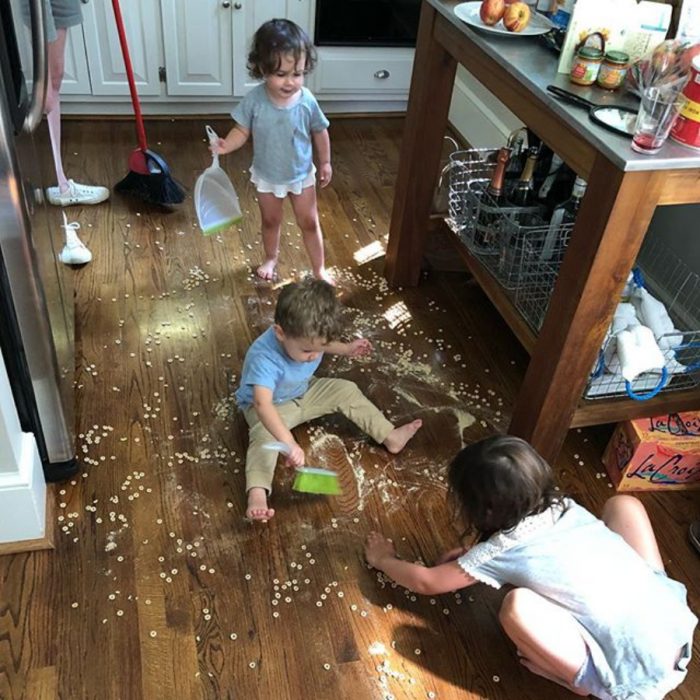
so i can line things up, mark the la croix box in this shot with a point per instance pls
(655, 454)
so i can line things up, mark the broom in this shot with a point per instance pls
(310, 479)
(149, 176)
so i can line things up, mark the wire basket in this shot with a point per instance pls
(467, 169)
(540, 258)
(495, 234)
(673, 283)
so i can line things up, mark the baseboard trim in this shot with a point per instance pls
(23, 495)
(48, 541)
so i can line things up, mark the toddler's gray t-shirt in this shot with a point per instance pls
(282, 145)
(635, 618)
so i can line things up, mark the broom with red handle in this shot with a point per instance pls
(149, 176)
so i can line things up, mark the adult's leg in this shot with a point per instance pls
(271, 221)
(626, 516)
(306, 213)
(56, 60)
(548, 638)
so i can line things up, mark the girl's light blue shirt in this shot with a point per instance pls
(635, 619)
(282, 144)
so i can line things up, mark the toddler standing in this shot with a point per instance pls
(592, 608)
(286, 123)
(278, 390)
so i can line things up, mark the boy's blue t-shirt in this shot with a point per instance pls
(282, 146)
(267, 364)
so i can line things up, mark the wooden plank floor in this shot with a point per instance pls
(158, 587)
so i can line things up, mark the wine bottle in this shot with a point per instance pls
(571, 206)
(565, 213)
(523, 192)
(494, 198)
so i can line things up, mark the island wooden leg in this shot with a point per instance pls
(426, 121)
(608, 234)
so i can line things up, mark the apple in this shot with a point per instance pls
(516, 17)
(491, 11)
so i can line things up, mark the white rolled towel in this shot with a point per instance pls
(652, 313)
(624, 317)
(638, 352)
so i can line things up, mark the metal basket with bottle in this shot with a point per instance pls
(496, 234)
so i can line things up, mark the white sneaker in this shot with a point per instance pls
(74, 252)
(77, 194)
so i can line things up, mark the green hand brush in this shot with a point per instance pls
(316, 480)
(310, 479)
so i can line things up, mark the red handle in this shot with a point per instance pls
(140, 131)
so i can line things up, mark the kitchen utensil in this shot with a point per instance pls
(215, 199)
(310, 479)
(619, 120)
(149, 176)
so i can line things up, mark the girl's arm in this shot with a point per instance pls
(270, 418)
(233, 141)
(355, 348)
(322, 142)
(427, 580)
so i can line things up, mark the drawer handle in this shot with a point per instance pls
(382, 74)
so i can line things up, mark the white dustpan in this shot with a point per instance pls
(215, 200)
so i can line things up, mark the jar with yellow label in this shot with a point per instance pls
(585, 66)
(613, 70)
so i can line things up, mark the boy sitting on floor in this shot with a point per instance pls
(278, 390)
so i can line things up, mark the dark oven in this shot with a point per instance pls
(366, 22)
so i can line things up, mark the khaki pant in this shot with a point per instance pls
(324, 396)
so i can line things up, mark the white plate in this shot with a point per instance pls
(469, 12)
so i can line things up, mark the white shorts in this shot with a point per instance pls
(281, 191)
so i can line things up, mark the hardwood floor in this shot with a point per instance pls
(158, 587)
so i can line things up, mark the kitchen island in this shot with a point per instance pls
(624, 189)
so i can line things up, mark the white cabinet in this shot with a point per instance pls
(144, 36)
(76, 77)
(191, 56)
(247, 17)
(378, 72)
(197, 38)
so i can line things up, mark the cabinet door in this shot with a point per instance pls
(197, 36)
(248, 15)
(76, 77)
(143, 32)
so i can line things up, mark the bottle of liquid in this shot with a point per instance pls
(569, 209)
(523, 192)
(565, 213)
(488, 211)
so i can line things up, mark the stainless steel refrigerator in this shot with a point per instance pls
(36, 290)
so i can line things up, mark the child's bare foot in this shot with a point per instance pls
(324, 275)
(257, 505)
(267, 270)
(396, 440)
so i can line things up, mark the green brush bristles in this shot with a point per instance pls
(217, 228)
(314, 480)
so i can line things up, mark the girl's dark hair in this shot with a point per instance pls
(273, 40)
(497, 482)
(309, 309)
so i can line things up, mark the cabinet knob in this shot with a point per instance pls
(237, 5)
(226, 4)
(382, 74)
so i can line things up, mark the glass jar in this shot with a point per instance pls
(613, 70)
(585, 66)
